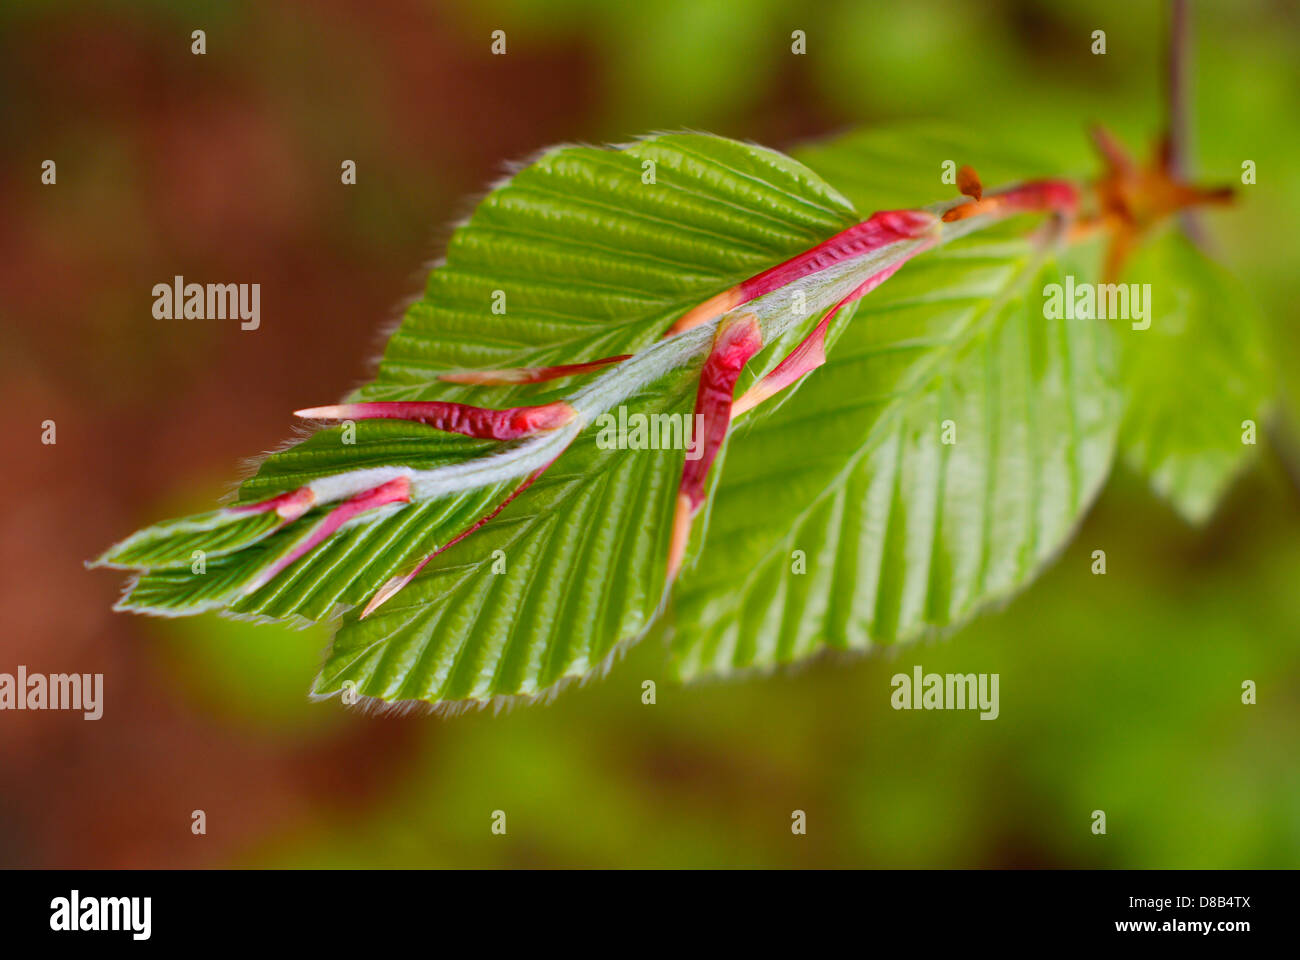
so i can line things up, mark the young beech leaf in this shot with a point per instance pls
(595, 263)
(903, 533)
(1193, 376)
(483, 536)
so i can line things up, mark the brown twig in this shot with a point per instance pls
(1178, 110)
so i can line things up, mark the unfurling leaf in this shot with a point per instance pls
(497, 525)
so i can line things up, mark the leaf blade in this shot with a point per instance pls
(903, 534)
(1194, 377)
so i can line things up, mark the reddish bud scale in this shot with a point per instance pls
(732, 347)
(289, 506)
(480, 422)
(811, 351)
(391, 588)
(1058, 196)
(1116, 157)
(878, 230)
(1038, 196)
(394, 491)
(1132, 198)
(528, 374)
(806, 357)
(968, 182)
(731, 351)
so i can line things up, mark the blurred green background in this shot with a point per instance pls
(1119, 693)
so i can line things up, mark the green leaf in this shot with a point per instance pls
(543, 594)
(934, 465)
(905, 165)
(345, 570)
(1193, 378)
(872, 530)
(898, 533)
(174, 543)
(594, 262)
(593, 252)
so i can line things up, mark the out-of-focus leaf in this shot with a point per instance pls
(1193, 378)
